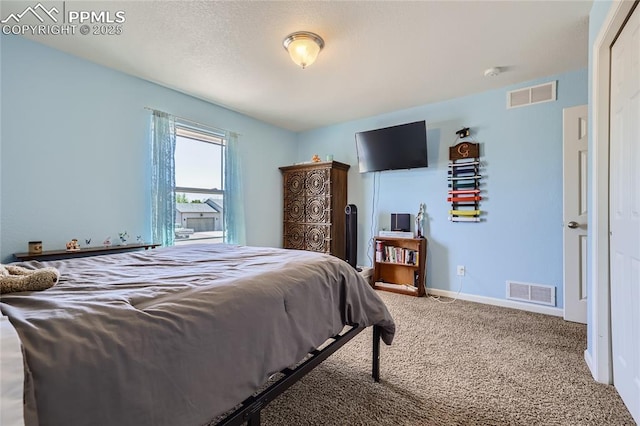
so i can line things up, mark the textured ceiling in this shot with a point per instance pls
(378, 57)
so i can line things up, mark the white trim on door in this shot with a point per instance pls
(599, 360)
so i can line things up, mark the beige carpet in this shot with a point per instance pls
(456, 364)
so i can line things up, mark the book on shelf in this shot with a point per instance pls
(391, 254)
(396, 234)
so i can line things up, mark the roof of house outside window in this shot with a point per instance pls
(195, 208)
(217, 205)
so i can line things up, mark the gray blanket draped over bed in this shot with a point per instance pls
(178, 335)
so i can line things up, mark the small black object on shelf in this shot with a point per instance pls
(463, 133)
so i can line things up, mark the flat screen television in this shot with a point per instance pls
(393, 148)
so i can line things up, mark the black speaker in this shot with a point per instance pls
(351, 212)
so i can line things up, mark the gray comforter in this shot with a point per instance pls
(176, 336)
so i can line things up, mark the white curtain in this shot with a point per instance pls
(233, 213)
(163, 203)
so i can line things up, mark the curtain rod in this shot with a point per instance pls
(194, 122)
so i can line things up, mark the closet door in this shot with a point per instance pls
(294, 208)
(624, 213)
(317, 218)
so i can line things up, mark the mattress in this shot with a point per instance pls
(11, 376)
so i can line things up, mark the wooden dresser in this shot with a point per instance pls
(315, 196)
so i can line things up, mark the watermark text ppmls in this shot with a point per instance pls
(62, 18)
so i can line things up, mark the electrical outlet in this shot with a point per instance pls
(461, 270)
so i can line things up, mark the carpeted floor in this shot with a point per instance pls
(456, 364)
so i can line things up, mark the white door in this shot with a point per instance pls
(575, 161)
(624, 213)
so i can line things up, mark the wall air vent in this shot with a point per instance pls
(531, 95)
(535, 293)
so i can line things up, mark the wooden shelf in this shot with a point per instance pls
(89, 251)
(400, 277)
(408, 265)
(397, 288)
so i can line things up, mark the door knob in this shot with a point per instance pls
(573, 225)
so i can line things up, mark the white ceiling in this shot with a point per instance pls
(378, 57)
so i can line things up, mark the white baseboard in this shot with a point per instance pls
(589, 361)
(547, 310)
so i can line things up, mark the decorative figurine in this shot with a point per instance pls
(107, 242)
(87, 241)
(123, 237)
(419, 220)
(315, 158)
(73, 245)
(139, 239)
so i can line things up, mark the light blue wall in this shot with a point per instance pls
(599, 12)
(75, 153)
(521, 237)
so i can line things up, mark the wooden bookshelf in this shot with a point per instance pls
(401, 266)
(88, 251)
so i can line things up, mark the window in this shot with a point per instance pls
(199, 191)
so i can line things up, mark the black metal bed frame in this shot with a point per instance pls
(249, 410)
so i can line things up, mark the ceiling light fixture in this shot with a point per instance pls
(492, 72)
(303, 47)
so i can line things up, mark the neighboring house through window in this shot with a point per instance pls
(199, 180)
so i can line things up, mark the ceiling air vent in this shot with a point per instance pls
(535, 293)
(532, 95)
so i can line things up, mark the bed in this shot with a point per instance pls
(181, 335)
